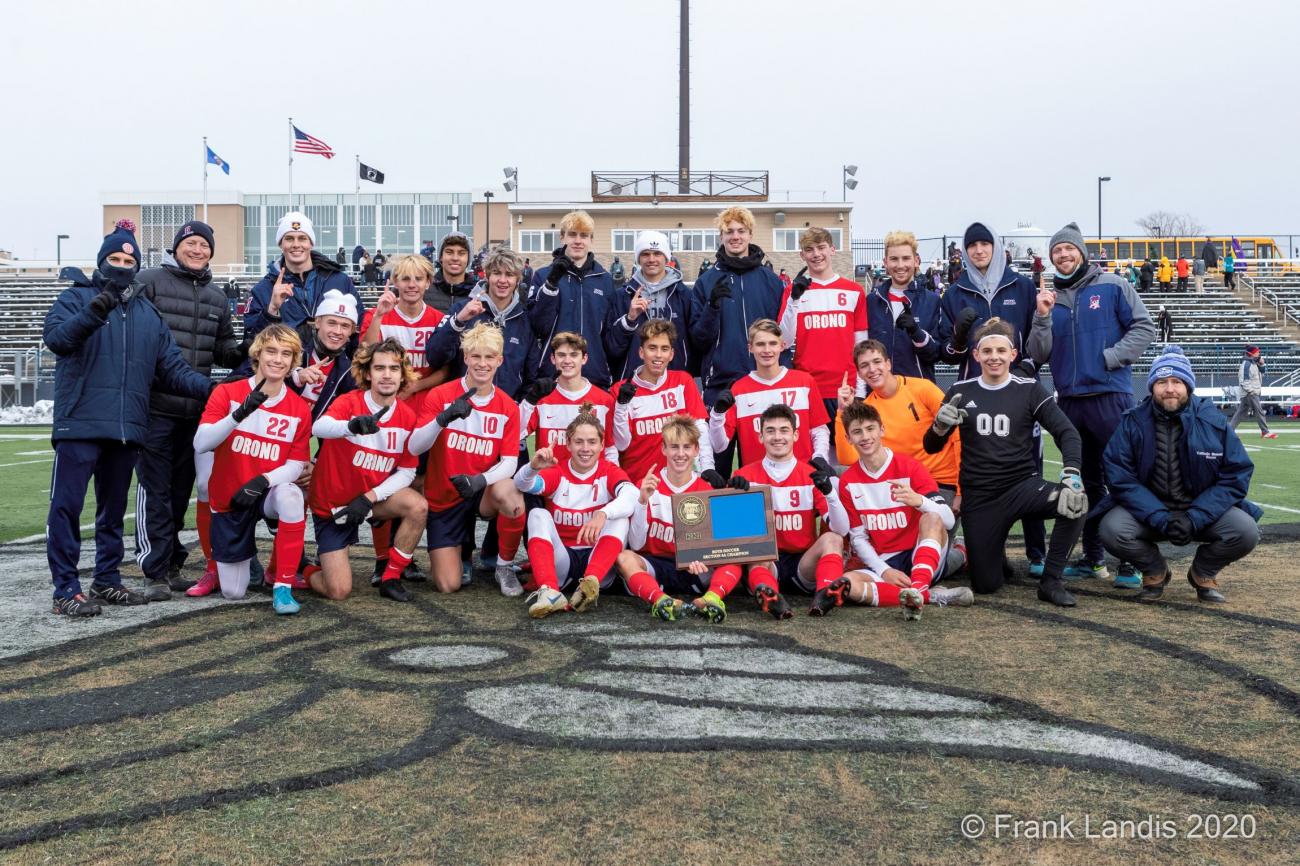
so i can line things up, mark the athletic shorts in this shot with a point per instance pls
(787, 573)
(453, 525)
(675, 581)
(233, 533)
(331, 536)
(903, 562)
(578, 559)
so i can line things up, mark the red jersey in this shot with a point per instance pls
(827, 318)
(572, 498)
(551, 416)
(796, 503)
(278, 431)
(413, 335)
(349, 466)
(868, 498)
(467, 446)
(651, 406)
(795, 389)
(659, 540)
(311, 393)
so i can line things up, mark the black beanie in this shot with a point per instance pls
(194, 227)
(976, 232)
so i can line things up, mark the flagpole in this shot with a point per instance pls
(291, 139)
(357, 179)
(205, 178)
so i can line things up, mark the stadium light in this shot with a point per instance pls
(512, 180)
(1100, 181)
(849, 182)
(58, 250)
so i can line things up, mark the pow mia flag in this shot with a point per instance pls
(373, 175)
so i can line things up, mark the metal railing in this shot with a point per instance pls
(652, 186)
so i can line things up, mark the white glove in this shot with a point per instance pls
(949, 415)
(1071, 501)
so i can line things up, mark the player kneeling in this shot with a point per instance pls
(649, 564)
(364, 471)
(260, 431)
(899, 523)
(808, 561)
(584, 526)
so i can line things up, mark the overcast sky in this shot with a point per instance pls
(1005, 112)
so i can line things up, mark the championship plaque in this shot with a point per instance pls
(721, 526)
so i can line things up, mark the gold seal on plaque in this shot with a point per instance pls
(690, 510)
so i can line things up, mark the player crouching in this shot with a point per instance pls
(260, 431)
(364, 471)
(649, 564)
(899, 523)
(584, 526)
(808, 561)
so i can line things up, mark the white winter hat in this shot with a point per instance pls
(655, 241)
(336, 303)
(294, 221)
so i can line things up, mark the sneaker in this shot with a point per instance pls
(207, 584)
(1036, 569)
(911, 601)
(1054, 591)
(951, 596)
(106, 594)
(376, 576)
(283, 600)
(710, 606)
(393, 589)
(78, 605)
(1127, 577)
(176, 581)
(1269, 435)
(1208, 594)
(668, 609)
(508, 581)
(1153, 590)
(414, 574)
(770, 601)
(545, 602)
(584, 597)
(1082, 568)
(466, 573)
(829, 597)
(156, 589)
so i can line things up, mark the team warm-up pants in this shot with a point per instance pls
(76, 461)
(986, 520)
(1250, 403)
(1228, 539)
(165, 476)
(1096, 417)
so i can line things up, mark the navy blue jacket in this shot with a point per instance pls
(338, 382)
(301, 306)
(520, 364)
(1013, 302)
(907, 359)
(1215, 467)
(625, 344)
(721, 336)
(586, 304)
(105, 369)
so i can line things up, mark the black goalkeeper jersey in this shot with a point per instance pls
(997, 437)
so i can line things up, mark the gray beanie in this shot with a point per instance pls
(1070, 235)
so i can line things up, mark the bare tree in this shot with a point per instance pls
(1166, 224)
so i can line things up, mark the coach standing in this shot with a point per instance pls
(198, 316)
(111, 345)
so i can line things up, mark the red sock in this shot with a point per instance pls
(724, 580)
(383, 535)
(288, 550)
(541, 553)
(830, 568)
(925, 565)
(203, 516)
(760, 576)
(509, 531)
(642, 585)
(887, 594)
(397, 563)
(607, 549)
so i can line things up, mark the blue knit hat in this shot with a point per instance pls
(1172, 363)
(120, 240)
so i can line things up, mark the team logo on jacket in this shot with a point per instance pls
(1094, 303)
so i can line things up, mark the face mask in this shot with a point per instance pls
(117, 277)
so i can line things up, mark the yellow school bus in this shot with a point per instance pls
(1134, 249)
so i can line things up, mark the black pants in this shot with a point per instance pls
(986, 520)
(165, 475)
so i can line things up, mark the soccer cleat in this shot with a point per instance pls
(106, 594)
(175, 581)
(283, 601)
(156, 589)
(1054, 591)
(711, 607)
(771, 601)
(829, 597)
(911, 601)
(1206, 593)
(376, 576)
(668, 609)
(414, 574)
(1036, 569)
(78, 605)
(546, 601)
(1269, 435)
(207, 584)
(585, 596)
(951, 596)
(1127, 577)
(393, 589)
(1153, 590)
(1082, 568)
(508, 581)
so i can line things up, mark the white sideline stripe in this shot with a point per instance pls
(1273, 486)
(33, 453)
(25, 463)
(1278, 508)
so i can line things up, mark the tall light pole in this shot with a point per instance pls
(849, 181)
(1100, 181)
(512, 181)
(487, 220)
(58, 250)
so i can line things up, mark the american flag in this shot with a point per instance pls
(304, 143)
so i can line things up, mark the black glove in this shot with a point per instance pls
(721, 289)
(724, 402)
(559, 267)
(822, 465)
(1026, 367)
(103, 303)
(456, 409)
(255, 398)
(738, 483)
(961, 328)
(539, 388)
(246, 497)
(716, 481)
(1179, 528)
(908, 322)
(354, 512)
(800, 285)
(468, 485)
(363, 425)
(626, 392)
(822, 481)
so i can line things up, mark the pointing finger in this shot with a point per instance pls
(844, 383)
(382, 411)
(955, 398)
(260, 383)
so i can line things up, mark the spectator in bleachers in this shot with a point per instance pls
(1210, 255)
(1131, 273)
(294, 285)
(358, 253)
(1251, 378)
(1146, 276)
(1164, 325)
(1229, 270)
(1198, 275)
(1183, 269)
(198, 315)
(1178, 472)
(1165, 274)
(341, 258)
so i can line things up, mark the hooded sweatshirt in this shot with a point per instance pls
(669, 299)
